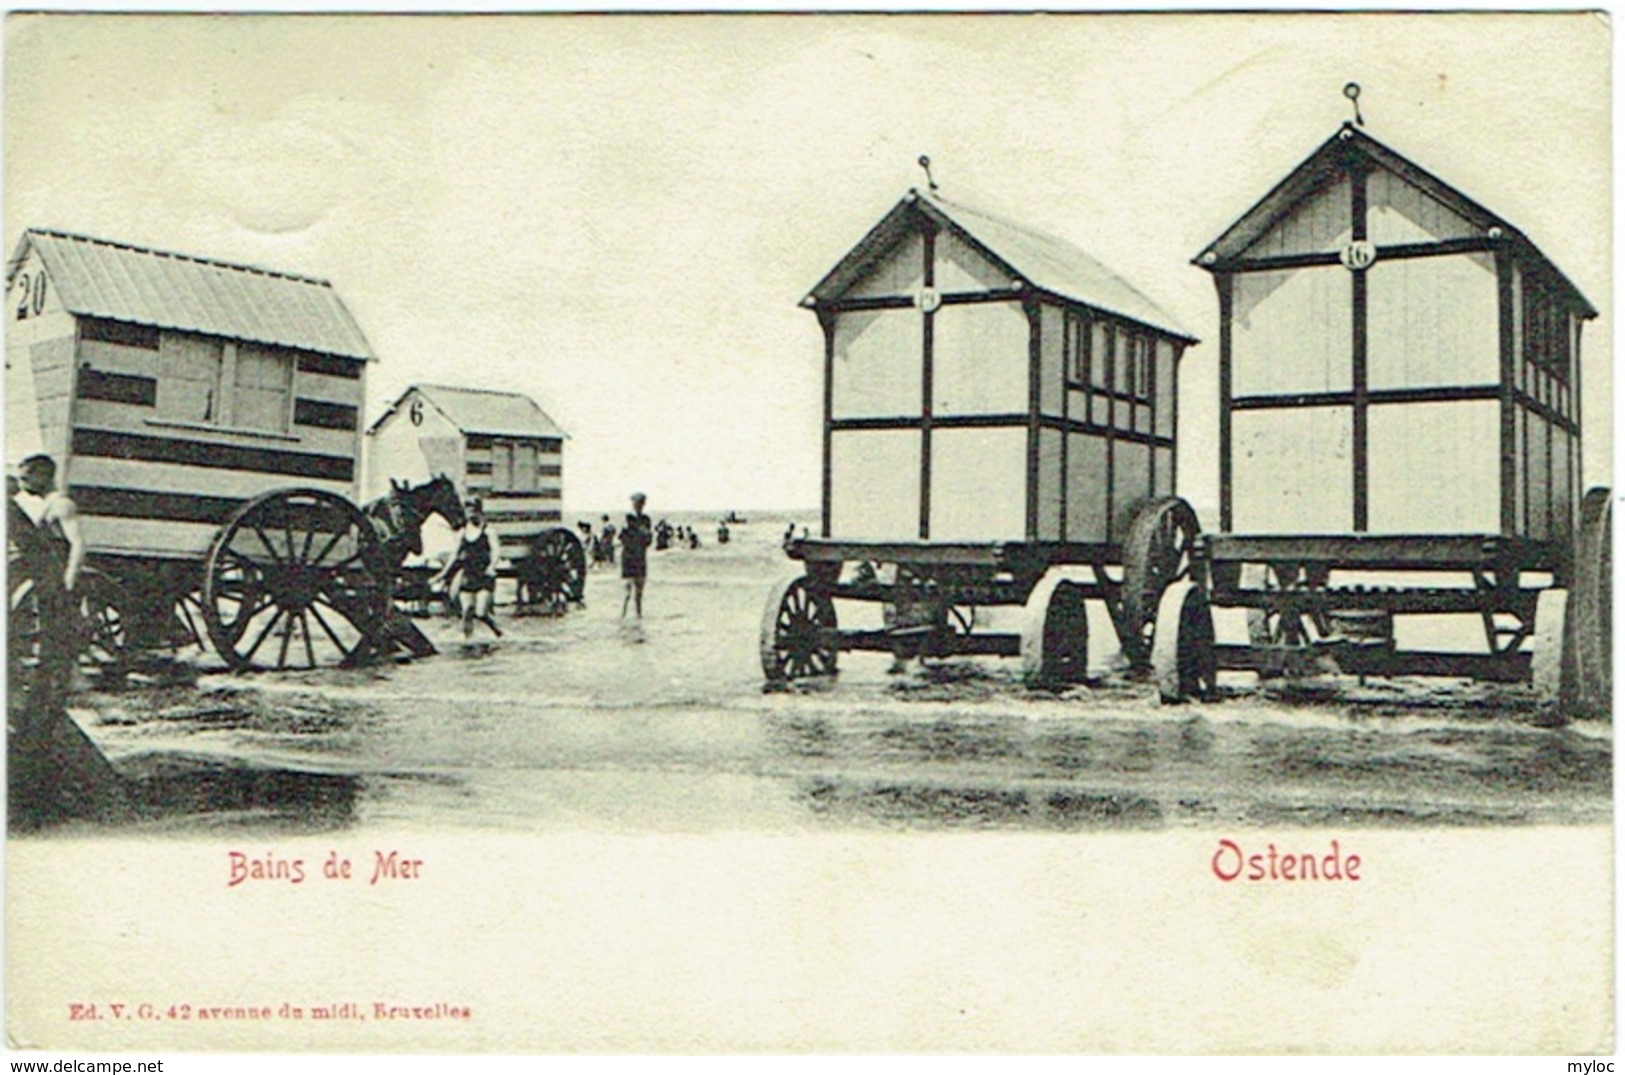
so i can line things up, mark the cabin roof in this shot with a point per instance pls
(482, 411)
(1046, 262)
(1334, 157)
(123, 282)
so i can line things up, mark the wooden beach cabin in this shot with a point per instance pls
(985, 381)
(173, 392)
(499, 446)
(997, 403)
(503, 448)
(1399, 389)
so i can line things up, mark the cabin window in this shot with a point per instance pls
(1134, 376)
(205, 381)
(524, 467)
(189, 379)
(514, 467)
(1545, 329)
(1100, 354)
(501, 465)
(263, 386)
(1077, 351)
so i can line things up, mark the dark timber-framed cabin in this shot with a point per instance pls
(1374, 322)
(999, 426)
(1399, 391)
(986, 381)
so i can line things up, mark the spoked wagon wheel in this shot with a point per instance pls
(102, 602)
(1587, 673)
(798, 632)
(1183, 658)
(1055, 634)
(295, 580)
(555, 572)
(102, 642)
(22, 636)
(1158, 552)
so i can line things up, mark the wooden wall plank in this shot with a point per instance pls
(875, 484)
(877, 364)
(1434, 468)
(1291, 331)
(978, 481)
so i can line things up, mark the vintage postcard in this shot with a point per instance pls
(1021, 533)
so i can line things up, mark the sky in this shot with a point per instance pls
(618, 215)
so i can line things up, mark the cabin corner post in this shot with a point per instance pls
(826, 321)
(927, 341)
(1576, 439)
(1173, 418)
(1359, 292)
(361, 476)
(1082, 329)
(1509, 358)
(63, 454)
(1224, 282)
(1035, 343)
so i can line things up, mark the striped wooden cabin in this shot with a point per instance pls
(499, 446)
(988, 382)
(171, 389)
(1394, 359)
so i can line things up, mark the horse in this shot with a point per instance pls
(397, 518)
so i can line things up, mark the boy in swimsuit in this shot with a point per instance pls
(478, 583)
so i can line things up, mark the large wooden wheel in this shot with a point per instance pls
(1587, 679)
(101, 639)
(798, 632)
(554, 574)
(1158, 552)
(296, 579)
(1055, 634)
(103, 604)
(22, 636)
(1549, 656)
(1183, 658)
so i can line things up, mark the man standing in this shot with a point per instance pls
(635, 538)
(53, 555)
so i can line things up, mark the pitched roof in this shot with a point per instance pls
(1334, 157)
(482, 411)
(1046, 262)
(100, 278)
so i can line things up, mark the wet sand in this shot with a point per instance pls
(585, 723)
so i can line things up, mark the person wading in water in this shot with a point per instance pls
(635, 538)
(477, 586)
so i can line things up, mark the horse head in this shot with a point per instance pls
(440, 498)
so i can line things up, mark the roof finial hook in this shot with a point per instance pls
(925, 162)
(1352, 92)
